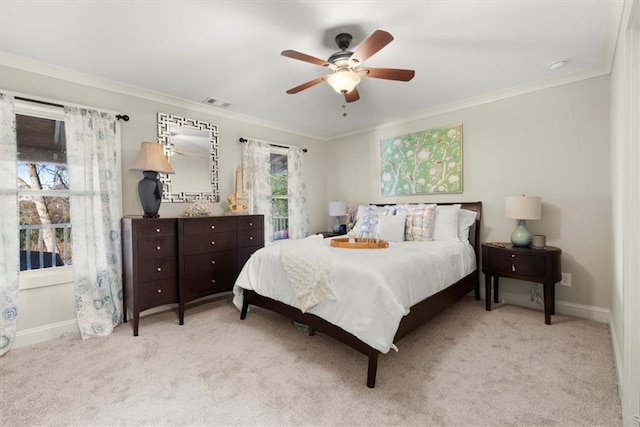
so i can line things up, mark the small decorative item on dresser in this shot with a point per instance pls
(237, 203)
(540, 265)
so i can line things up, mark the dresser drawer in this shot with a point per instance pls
(154, 247)
(209, 225)
(248, 238)
(210, 242)
(206, 273)
(156, 227)
(522, 265)
(251, 222)
(157, 268)
(158, 292)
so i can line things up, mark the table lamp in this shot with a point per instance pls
(522, 208)
(337, 209)
(150, 161)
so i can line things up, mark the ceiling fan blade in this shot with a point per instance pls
(389, 73)
(305, 85)
(304, 57)
(352, 96)
(371, 45)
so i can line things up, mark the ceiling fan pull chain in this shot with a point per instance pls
(344, 109)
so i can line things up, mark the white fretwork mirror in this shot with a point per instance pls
(191, 146)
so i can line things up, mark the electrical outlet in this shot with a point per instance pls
(566, 279)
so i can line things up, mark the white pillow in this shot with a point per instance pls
(466, 219)
(446, 222)
(391, 227)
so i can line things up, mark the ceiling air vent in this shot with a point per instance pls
(217, 102)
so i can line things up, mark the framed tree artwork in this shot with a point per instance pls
(426, 162)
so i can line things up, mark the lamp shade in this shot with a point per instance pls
(343, 81)
(523, 207)
(337, 208)
(151, 158)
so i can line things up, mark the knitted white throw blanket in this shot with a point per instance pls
(307, 263)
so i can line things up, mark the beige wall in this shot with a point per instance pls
(41, 313)
(553, 143)
(625, 140)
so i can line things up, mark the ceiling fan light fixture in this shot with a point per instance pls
(343, 81)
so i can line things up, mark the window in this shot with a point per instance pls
(43, 196)
(279, 194)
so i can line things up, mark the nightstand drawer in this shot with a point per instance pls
(524, 265)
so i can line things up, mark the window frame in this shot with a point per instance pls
(31, 279)
(283, 152)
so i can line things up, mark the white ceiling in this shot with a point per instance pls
(230, 50)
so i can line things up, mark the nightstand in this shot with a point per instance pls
(533, 265)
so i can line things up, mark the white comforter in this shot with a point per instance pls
(374, 287)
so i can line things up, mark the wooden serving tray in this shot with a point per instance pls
(359, 243)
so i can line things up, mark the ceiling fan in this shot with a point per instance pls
(345, 65)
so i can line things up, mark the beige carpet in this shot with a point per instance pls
(465, 367)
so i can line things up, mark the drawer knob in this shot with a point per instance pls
(213, 243)
(250, 224)
(159, 291)
(157, 248)
(157, 230)
(250, 237)
(513, 256)
(213, 261)
(213, 226)
(159, 268)
(213, 280)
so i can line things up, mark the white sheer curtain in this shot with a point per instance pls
(9, 223)
(256, 182)
(298, 216)
(95, 207)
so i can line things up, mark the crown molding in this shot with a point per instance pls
(54, 71)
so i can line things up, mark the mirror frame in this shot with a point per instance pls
(164, 138)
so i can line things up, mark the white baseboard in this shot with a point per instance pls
(597, 314)
(617, 355)
(45, 333)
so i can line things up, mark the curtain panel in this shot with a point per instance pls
(256, 182)
(95, 208)
(298, 217)
(9, 223)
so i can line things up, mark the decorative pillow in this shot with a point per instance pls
(367, 218)
(446, 222)
(419, 222)
(466, 219)
(391, 227)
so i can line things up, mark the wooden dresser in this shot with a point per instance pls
(178, 260)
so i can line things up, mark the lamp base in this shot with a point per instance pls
(150, 193)
(521, 236)
(336, 225)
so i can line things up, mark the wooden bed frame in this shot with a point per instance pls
(419, 313)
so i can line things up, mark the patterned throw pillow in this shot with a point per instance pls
(419, 223)
(367, 219)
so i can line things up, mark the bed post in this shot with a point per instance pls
(245, 304)
(373, 368)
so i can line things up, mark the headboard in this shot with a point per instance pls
(474, 233)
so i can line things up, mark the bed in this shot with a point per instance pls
(381, 295)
